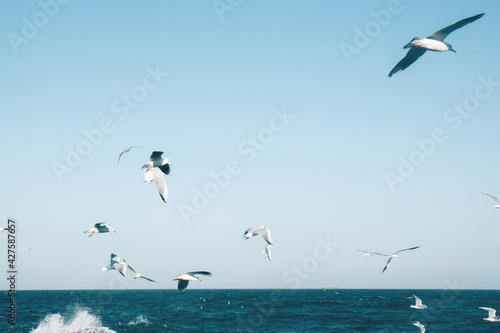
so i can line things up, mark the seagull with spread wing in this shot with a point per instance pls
(125, 151)
(156, 170)
(492, 314)
(119, 264)
(497, 202)
(189, 276)
(395, 254)
(101, 227)
(434, 42)
(265, 233)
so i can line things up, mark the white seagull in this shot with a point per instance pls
(189, 276)
(119, 264)
(395, 254)
(491, 315)
(262, 231)
(434, 42)
(497, 202)
(100, 227)
(370, 253)
(418, 304)
(422, 327)
(157, 168)
(125, 151)
(7, 228)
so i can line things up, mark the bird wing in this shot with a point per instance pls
(165, 168)
(101, 225)
(119, 156)
(138, 275)
(250, 232)
(155, 155)
(441, 34)
(161, 184)
(199, 273)
(266, 234)
(267, 250)
(418, 301)
(491, 312)
(410, 248)
(413, 54)
(491, 195)
(387, 265)
(116, 259)
(182, 284)
(381, 254)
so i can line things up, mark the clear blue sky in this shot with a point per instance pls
(205, 85)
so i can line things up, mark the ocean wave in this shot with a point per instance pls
(77, 321)
(139, 320)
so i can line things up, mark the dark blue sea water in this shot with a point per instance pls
(330, 310)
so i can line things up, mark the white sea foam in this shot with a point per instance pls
(77, 321)
(139, 320)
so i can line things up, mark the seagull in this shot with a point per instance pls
(418, 304)
(262, 230)
(7, 228)
(157, 168)
(491, 315)
(370, 253)
(125, 151)
(422, 327)
(395, 254)
(119, 264)
(497, 202)
(100, 227)
(267, 250)
(434, 42)
(189, 276)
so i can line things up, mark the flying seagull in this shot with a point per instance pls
(125, 151)
(497, 202)
(100, 227)
(491, 315)
(434, 42)
(157, 168)
(422, 327)
(189, 276)
(370, 253)
(262, 231)
(418, 304)
(119, 264)
(7, 228)
(395, 254)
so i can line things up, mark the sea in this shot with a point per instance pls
(247, 310)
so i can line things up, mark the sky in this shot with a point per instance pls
(275, 113)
